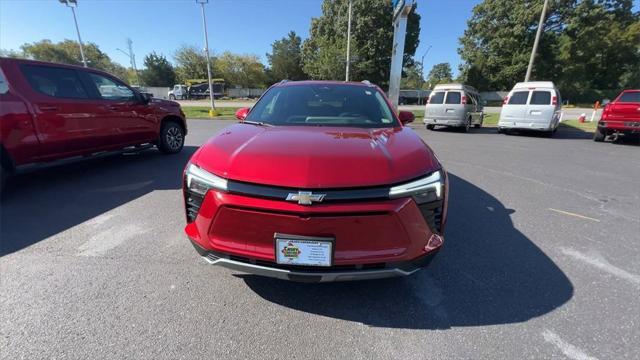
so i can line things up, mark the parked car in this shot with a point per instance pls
(321, 181)
(52, 111)
(179, 92)
(534, 105)
(620, 117)
(454, 105)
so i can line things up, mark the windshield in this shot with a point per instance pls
(323, 104)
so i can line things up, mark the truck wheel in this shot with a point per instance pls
(430, 127)
(172, 97)
(171, 138)
(598, 136)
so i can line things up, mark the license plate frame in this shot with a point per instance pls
(318, 251)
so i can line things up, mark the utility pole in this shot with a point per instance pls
(422, 62)
(348, 44)
(537, 40)
(212, 111)
(132, 58)
(73, 4)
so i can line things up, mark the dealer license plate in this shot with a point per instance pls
(303, 250)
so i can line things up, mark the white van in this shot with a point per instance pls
(454, 105)
(534, 105)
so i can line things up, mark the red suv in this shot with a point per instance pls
(52, 111)
(620, 117)
(319, 182)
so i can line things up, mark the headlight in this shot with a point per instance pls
(200, 181)
(429, 188)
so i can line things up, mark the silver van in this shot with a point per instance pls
(454, 105)
(534, 105)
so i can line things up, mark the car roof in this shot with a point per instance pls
(46, 63)
(454, 86)
(534, 84)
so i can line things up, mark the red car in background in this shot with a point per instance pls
(320, 181)
(620, 117)
(52, 111)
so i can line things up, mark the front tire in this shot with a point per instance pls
(172, 97)
(598, 136)
(431, 127)
(171, 138)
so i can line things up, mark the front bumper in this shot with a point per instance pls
(374, 238)
(325, 275)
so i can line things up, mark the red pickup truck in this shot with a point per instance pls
(620, 117)
(52, 111)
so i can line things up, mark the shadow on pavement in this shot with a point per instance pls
(42, 203)
(488, 273)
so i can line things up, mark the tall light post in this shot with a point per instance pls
(422, 62)
(73, 4)
(212, 111)
(346, 78)
(132, 58)
(536, 41)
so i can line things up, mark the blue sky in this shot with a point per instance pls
(240, 26)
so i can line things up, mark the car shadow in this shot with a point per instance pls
(40, 203)
(488, 273)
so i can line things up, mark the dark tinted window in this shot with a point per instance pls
(453, 97)
(540, 98)
(628, 97)
(519, 98)
(56, 82)
(323, 104)
(437, 98)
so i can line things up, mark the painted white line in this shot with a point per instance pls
(602, 264)
(574, 214)
(570, 351)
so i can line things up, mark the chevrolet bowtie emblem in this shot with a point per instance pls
(305, 197)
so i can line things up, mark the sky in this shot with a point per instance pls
(239, 26)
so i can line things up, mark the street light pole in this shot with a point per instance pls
(74, 4)
(348, 44)
(132, 59)
(212, 111)
(422, 62)
(536, 41)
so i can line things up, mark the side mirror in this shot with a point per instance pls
(145, 98)
(406, 117)
(242, 113)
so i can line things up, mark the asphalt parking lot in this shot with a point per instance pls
(541, 260)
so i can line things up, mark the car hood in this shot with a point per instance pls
(316, 157)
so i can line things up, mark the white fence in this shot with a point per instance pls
(158, 92)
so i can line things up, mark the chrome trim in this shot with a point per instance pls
(305, 197)
(284, 274)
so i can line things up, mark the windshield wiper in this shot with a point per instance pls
(259, 123)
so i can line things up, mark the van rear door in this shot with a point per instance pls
(516, 108)
(541, 109)
(435, 108)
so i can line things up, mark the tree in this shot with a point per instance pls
(158, 71)
(68, 52)
(413, 77)
(191, 63)
(324, 52)
(439, 74)
(285, 59)
(590, 48)
(245, 71)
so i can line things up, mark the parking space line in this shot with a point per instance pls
(569, 350)
(602, 264)
(574, 215)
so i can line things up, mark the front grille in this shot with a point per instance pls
(432, 213)
(331, 195)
